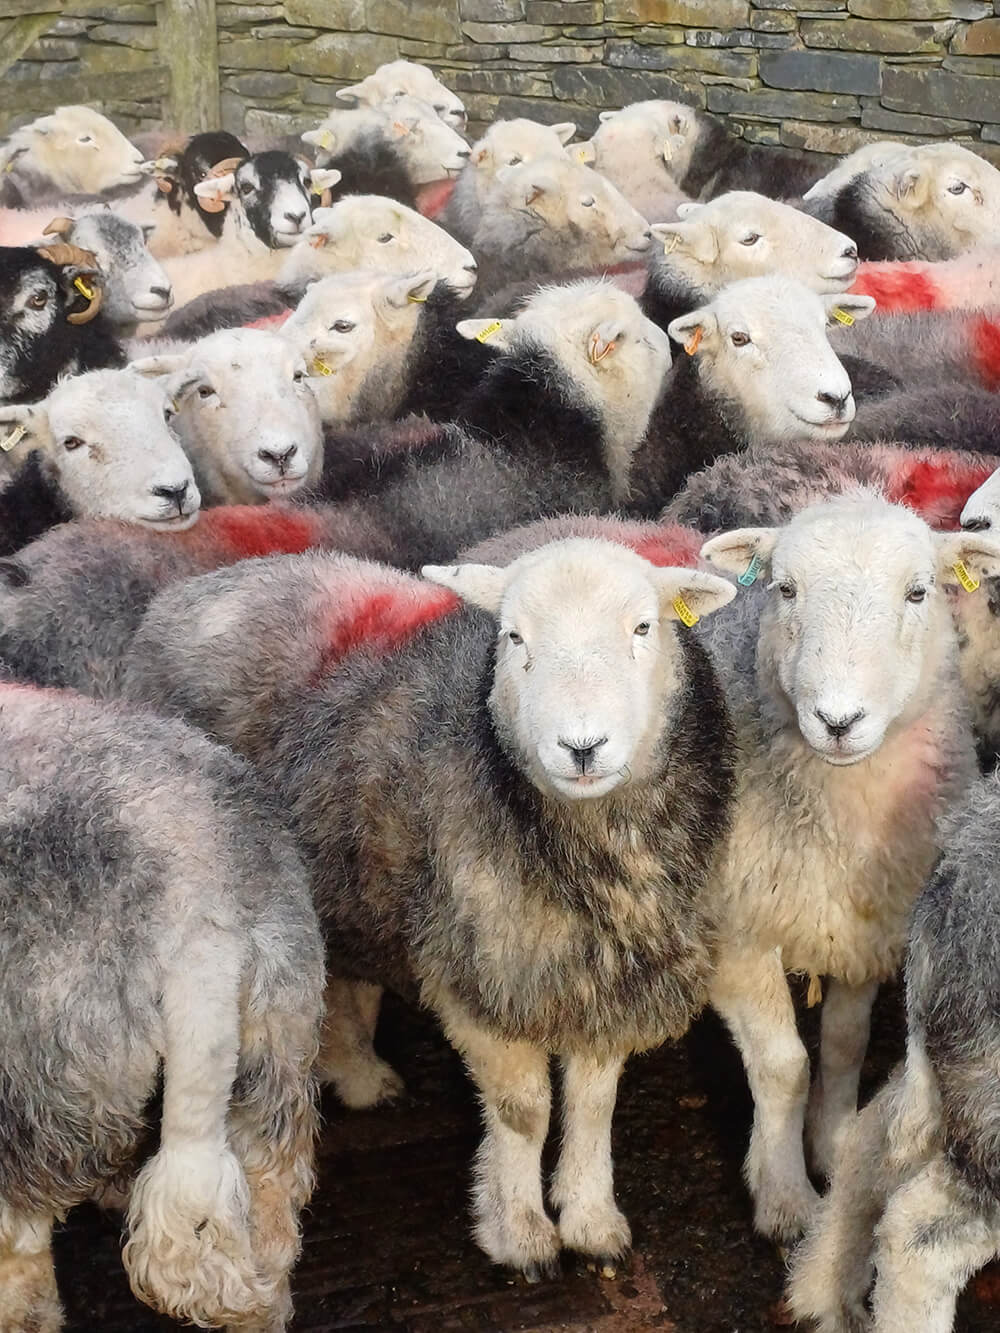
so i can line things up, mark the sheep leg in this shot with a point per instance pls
(29, 1301)
(512, 1077)
(833, 1100)
(590, 1221)
(931, 1239)
(347, 1057)
(751, 994)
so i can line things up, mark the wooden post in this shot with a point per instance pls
(189, 48)
(19, 33)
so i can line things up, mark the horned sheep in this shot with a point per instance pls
(73, 149)
(155, 919)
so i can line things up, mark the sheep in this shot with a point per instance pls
(506, 143)
(577, 763)
(404, 78)
(247, 416)
(934, 203)
(548, 216)
(106, 449)
(74, 148)
(154, 919)
(921, 347)
(914, 1195)
(633, 148)
(940, 416)
(50, 319)
(969, 282)
(758, 369)
(818, 199)
(368, 231)
(740, 235)
(853, 739)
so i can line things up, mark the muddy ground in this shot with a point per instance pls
(387, 1242)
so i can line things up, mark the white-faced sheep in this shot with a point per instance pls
(854, 740)
(73, 149)
(246, 414)
(597, 758)
(914, 1196)
(404, 78)
(633, 148)
(156, 920)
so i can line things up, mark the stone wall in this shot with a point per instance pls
(826, 75)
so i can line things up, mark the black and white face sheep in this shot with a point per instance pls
(854, 740)
(155, 920)
(73, 149)
(50, 320)
(595, 789)
(247, 416)
(405, 78)
(914, 1195)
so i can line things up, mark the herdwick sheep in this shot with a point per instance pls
(247, 416)
(952, 347)
(853, 740)
(818, 199)
(970, 282)
(545, 217)
(404, 78)
(740, 235)
(155, 919)
(107, 451)
(595, 790)
(507, 143)
(940, 416)
(936, 202)
(51, 323)
(758, 369)
(914, 1195)
(633, 148)
(74, 148)
(71, 601)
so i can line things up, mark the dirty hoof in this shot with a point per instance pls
(543, 1271)
(604, 1265)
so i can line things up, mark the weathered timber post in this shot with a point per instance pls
(188, 41)
(17, 34)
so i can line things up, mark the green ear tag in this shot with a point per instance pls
(749, 575)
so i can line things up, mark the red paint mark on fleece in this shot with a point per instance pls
(255, 530)
(432, 198)
(897, 287)
(672, 546)
(269, 321)
(384, 620)
(936, 489)
(986, 351)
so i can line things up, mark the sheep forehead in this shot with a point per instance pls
(577, 580)
(247, 171)
(109, 405)
(769, 306)
(76, 120)
(521, 134)
(849, 542)
(356, 289)
(581, 306)
(253, 354)
(110, 231)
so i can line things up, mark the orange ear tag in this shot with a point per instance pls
(694, 342)
(596, 356)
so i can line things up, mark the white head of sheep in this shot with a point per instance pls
(508, 143)
(862, 159)
(371, 232)
(762, 343)
(587, 659)
(402, 78)
(946, 196)
(74, 149)
(857, 623)
(248, 418)
(105, 436)
(675, 124)
(982, 509)
(742, 234)
(431, 149)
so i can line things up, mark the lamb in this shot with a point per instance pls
(554, 764)
(914, 1195)
(50, 319)
(74, 148)
(853, 740)
(969, 282)
(506, 143)
(404, 78)
(155, 919)
(633, 148)
(107, 451)
(247, 416)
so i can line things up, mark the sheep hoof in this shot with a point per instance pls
(604, 1265)
(545, 1270)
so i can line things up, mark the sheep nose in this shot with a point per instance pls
(464, 153)
(583, 751)
(280, 460)
(296, 219)
(837, 401)
(839, 726)
(851, 252)
(175, 493)
(471, 268)
(162, 292)
(976, 524)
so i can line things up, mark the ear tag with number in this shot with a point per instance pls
(967, 581)
(489, 331)
(321, 368)
(749, 575)
(14, 438)
(83, 289)
(842, 317)
(684, 613)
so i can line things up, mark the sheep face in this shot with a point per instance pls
(270, 197)
(136, 286)
(35, 297)
(673, 125)
(509, 143)
(587, 659)
(761, 346)
(944, 197)
(74, 149)
(367, 231)
(431, 148)
(403, 78)
(742, 234)
(105, 437)
(856, 627)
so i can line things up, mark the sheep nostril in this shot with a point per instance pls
(838, 403)
(838, 727)
(851, 252)
(296, 219)
(976, 524)
(162, 292)
(465, 153)
(175, 493)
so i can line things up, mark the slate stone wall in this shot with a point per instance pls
(826, 75)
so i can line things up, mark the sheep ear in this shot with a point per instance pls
(323, 137)
(479, 154)
(693, 329)
(845, 308)
(493, 331)
(910, 186)
(322, 179)
(415, 288)
(688, 208)
(585, 153)
(480, 585)
(737, 551)
(967, 557)
(22, 426)
(352, 95)
(606, 115)
(688, 592)
(565, 130)
(698, 239)
(165, 364)
(217, 190)
(604, 341)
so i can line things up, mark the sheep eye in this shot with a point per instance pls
(916, 595)
(72, 442)
(385, 238)
(342, 326)
(38, 300)
(85, 138)
(787, 590)
(752, 239)
(205, 391)
(958, 188)
(642, 629)
(514, 637)
(246, 187)
(515, 161)
(588, 202)
(739, 339)
(299, 376)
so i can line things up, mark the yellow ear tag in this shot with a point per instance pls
(842, 317)
(317, 189)
(9, 166)
(321, 368)
(814, 995)
(671, 243)
(326, 140)
(489, 331)
(694, 342)
(83, 289)
(581, 155)
(417, 300)
(14, 438)
(684, 613)
(965, 578)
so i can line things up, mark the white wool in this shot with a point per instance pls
(429, 147)
(402, 78)
(862, 159)
(674, 123)
(73, 149)
(634, 149)
(507, 143)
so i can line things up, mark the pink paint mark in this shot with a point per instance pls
(432, 198)
(674, 546)
(269, 321)
(936, 489)
(383, 620)
(986, 351)
(897, 287)
(257, 530)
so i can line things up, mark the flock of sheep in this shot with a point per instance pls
(514, 575)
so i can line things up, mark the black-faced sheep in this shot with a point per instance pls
(73, 149)
(156, 920)
(549, 835)
(405, 78)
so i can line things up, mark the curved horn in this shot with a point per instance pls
(60, 253)
(59, 227)
(94, 294)
(71, 255)
(224, 167)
